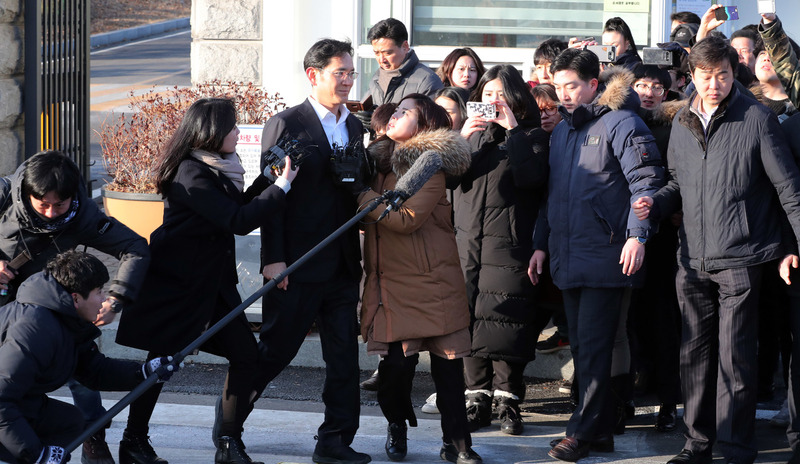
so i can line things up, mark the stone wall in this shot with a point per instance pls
(227, 40)
(11, 81)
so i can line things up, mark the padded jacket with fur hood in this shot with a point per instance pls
(414, 287)
(43, 344)
(602, 158)
(496, 205)
(725, 178)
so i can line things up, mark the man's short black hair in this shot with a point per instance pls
(548, 50)
(654, 72)
(78, 272)
(321, 53)
(50, 171)
(711, 52)
(686, 17)
(747, 33)
(389, 28)
(583, 62)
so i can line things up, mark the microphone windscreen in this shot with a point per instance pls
(428, 164)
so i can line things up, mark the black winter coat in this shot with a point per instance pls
(496, 205)
(194, 260)
(725, 181)
(43, 343)
(88, 227)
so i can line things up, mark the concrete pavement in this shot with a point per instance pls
(282, 432)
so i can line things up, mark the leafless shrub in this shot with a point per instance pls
(131, 144)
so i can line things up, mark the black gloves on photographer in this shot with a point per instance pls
(350, 166)
(162, 367)
(273, 160)
(53, 455)
(366, 119)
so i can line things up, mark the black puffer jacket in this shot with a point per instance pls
(43, 343)
(88, 227)
(496, 205)
(726, 183)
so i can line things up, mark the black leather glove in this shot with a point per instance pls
(366, 119)
(162, 367)
(274, 159)
(347, 166)
(53, 455)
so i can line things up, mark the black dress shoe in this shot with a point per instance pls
(396, 441)
(667, 418)
(450, 453)
(371, 384)
(338, 455)
(570, 449)
(687, 456)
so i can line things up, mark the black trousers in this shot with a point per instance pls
(488, 374)
(593, 315)
(56, 424)
(288, 316)
(236, 343)
(719, 359)
(396, 372)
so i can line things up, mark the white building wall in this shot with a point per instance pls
(290, 27)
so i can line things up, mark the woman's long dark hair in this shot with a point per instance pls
(430, 116)
(617, 24)
(445, 71)
(203, 127)
(516, 92)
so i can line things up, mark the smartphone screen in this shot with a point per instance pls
(728, 13)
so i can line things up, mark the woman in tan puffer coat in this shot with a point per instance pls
(414, 295)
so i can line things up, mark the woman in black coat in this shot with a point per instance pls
(496, 205)
(192, 280)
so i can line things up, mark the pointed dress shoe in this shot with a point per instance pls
(570, 449)
(687, 456)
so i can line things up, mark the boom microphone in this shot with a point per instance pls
(428, 164)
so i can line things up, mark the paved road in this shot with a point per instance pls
(136, 67)
(282, 428)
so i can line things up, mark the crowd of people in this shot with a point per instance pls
(610, 197)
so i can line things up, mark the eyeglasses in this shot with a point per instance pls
(658, 90)
(341, 74)
(549, 110)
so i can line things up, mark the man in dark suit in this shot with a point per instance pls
(325, 289)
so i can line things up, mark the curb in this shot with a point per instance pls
(107, 39)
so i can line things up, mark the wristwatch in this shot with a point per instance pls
(641, 240)
(116, 305)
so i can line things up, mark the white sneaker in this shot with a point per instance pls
(430, 405)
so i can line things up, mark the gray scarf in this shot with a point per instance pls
(229, 164)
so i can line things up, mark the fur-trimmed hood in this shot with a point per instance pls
(453, 148)
(614, 93)
(664, 114)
